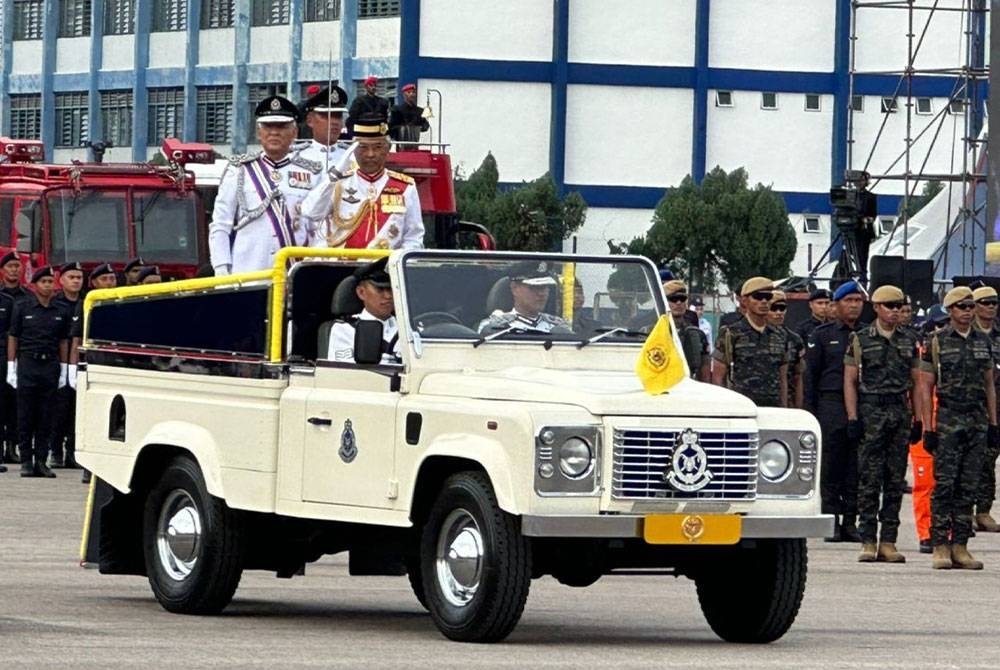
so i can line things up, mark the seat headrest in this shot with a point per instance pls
(345, 299)
(499, 297)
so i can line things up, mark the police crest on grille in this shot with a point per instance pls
(688, 468)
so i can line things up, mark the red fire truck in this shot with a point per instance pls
(96, 212)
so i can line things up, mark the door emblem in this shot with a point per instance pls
(688, 469)
(348, 443)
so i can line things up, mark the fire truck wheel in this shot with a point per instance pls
(752, 594)
(476, 565)
(193, 543)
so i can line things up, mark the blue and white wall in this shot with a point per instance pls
(618, 100)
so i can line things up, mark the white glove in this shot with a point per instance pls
(344, 164)
(12, 374)
(62, 375)
(71, 376)
(222, 270)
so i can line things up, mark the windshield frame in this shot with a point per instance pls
(405, 314)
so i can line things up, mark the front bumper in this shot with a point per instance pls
(628, 526)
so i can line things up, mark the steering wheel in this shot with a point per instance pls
(432, 318)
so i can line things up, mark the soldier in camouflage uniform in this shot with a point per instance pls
(530, 285)
(985, 320)
(750, 354)
(958, 364)
(795, 347)
(693, 340)
(880, 368)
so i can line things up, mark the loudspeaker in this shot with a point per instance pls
(915, 277)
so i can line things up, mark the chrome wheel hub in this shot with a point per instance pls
(459, 558)
(178, 535)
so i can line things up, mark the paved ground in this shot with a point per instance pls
(54, 614)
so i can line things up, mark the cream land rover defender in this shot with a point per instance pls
(494, 452)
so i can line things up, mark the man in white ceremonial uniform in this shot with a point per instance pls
(375, 293)
(370, 207)
(530, 285)
(257, 208)
(324, 113)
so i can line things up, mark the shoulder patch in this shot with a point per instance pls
(400, 176)
(313, 166)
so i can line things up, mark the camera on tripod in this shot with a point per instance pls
(853, 204)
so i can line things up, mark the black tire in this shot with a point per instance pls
(198, 573)
(753, 595)
(487, 595)
(416, 577)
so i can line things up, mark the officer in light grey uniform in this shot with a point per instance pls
(257, 208)
(324, 111)
(530, 285)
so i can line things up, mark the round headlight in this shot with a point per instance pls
(575, 457)
(807, 440)
(774, 460)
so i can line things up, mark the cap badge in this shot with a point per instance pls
(275, 105)
(543, 267)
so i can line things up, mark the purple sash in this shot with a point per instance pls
(276, 212)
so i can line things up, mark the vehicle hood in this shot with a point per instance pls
(602, 392)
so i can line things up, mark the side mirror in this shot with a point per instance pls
(368, 342)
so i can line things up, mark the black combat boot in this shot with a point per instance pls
(848, 530)
(836, 537)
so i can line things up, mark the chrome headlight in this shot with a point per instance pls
(566, 460)
(774, 460)
(575, 457)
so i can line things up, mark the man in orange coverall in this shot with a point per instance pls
(923, 462)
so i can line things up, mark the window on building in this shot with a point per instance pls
(885, 225)
(924, 106)
(813, 102)
(26, 116)
(889, 105)
(217, 13)
(270, 12)
(858, 103)
(372, 9)
(257, 93)
(956, 106)
(169, 15)
(768, 100)
(72, 120)
(723, 98)
(215, 114)
(322, 10)
(165, 114)
(119, 17)
(27, 19)
(74, 18)
(116, 117)
(811, 224)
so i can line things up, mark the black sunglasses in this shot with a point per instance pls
(762, 295)
(964, 306)
(677, 298)
(987, 302)
(779, 307)
(893, 305)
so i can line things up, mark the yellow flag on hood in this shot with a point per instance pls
(660, 365)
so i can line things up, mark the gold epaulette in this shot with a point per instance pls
(400, 176)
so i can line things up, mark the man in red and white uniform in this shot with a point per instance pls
(370, 207)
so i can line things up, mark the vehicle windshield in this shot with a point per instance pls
(166, 225)
(493, 297)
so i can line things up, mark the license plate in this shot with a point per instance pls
(692, 529)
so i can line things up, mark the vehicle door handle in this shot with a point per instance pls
(319, 421)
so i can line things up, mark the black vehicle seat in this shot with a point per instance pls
(345, 303)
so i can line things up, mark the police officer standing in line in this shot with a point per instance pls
(750, 354)
(985, 321)
(257, 208)
(63, 433)
(132, 269)
(819, 304)
(102, 276)
(824, 397)
(794, 344)
(958, 365)
(693, 341)
(324, 111)
(10, 293)
(880, 370)
(36, 346)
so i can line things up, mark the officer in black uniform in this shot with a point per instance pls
(132, 270)
(824, 397)
(36, 345)
(63, 433)
(11, 291)
(819, 301)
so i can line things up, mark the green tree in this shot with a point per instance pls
(719, 228)
(916, 203)
(529, 217)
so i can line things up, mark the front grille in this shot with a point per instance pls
(643, 458)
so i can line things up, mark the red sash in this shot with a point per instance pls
(388, 202)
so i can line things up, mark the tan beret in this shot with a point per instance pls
(888, 293)
(674, 286)
(956, 294)
(984, 292)
(779, 296)
(756, 284)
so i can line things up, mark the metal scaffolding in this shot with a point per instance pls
(967, 98)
